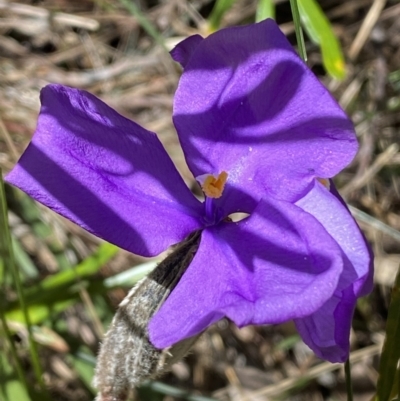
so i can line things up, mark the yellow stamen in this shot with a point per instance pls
(213, 187)
(325, 182)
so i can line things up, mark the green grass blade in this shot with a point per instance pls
(144, 22)
(27, 209)
(23, 260)
(299, 32)
(86, 268)
(8, 255)
(319, 30)
(11, 387)
(62, 291)
(82, 361)
(58, 292)
(5, 333)
(130, 277)
(265, 9)
(397, 383)
(156, 386)
(395, 395)
(174, 391)
(391, 351)
(13, 351)
(48, 304)
(218, 11)
(287, 343)
(39, 313)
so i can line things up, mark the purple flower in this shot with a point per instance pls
(257, 130)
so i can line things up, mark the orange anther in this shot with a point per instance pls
(213, 187)
(325, 182)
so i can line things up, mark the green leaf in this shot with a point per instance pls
(265, 9)
(319, 30)
(391, 350)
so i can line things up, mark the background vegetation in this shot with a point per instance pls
(67, 284)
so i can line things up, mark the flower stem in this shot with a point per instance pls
(349, 387)
(299, 32)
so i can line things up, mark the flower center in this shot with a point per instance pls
(214, 186)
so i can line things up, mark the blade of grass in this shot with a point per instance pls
(395, 394)
(30, 213)
(63, 285)
(398, 382)
(397, 386)
(7, 251)
(391, 351)
(42, 303)
(218, 11)
(5, 261)
(5, 238)
(299, 32)
(174, 392)
(265, 9)
(60, 286)
(144, 22)
(319, 29)
(39, 313)
(13, 350)
(86, 268)
(11, 388)
(153, 385)
(83, 367)
(23, 260)
(130, 277)
(288, 343)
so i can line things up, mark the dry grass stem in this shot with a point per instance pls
(366, 28)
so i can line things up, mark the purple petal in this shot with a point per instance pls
(278, 264)
(182, 52)
(329, 209)
(327, 331)
(105, 173)
(246, 104)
